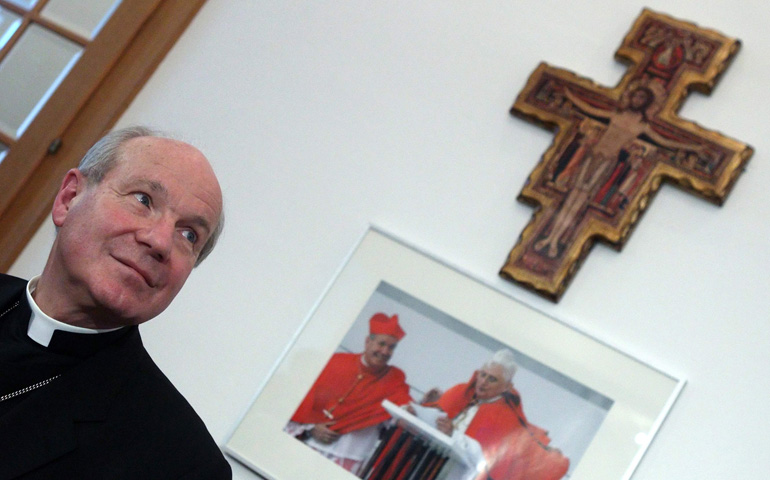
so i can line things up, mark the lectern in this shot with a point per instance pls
(411, 449)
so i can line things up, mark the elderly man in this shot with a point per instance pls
(340, 415)
(79, 395)
(488, 410)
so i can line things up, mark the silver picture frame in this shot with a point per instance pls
(601, 407)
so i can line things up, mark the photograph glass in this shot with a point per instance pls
(560, 404)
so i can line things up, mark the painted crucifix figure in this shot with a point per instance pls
(614, 147)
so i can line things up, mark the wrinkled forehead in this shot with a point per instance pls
(166, 151)
(379, 338)
(167, 157)
(173, 170)
(495, 370)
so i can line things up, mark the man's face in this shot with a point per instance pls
(491, 382)
(126, 245)
(639, 100)
(378, 349)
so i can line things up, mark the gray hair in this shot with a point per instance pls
(506, 360)
(104, 155)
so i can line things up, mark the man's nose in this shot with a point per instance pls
(158, 236)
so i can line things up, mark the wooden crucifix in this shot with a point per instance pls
(614, 146)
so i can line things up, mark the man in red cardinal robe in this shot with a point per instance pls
(488, 410)
(341, 414)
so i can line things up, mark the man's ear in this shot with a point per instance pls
(72, 186)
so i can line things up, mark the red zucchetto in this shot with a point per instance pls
(381, 324)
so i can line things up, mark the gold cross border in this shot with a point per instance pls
(553, 287)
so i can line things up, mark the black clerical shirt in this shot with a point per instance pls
(24, 362)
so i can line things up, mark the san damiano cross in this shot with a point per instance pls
(614, 147)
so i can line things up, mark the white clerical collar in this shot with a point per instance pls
(41, 326)
(490, 400)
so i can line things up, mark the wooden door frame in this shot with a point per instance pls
(31, 203)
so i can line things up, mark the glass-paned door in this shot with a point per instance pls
(84, 18)
(41, 42)
(53, 55)
(78, 65)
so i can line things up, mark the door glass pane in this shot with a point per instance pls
(24, 3)
(32, 71)
(83, 18)
(9, 22)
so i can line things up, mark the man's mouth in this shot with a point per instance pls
(142, 273)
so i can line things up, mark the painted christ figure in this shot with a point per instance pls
(624, 126)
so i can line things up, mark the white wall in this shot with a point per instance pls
(321, 117)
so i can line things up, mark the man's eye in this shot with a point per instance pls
(143, 198)
(191, 236)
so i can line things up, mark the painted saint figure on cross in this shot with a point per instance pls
(610, 147)
(613, 147)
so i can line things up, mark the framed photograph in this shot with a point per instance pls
(589, 407)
